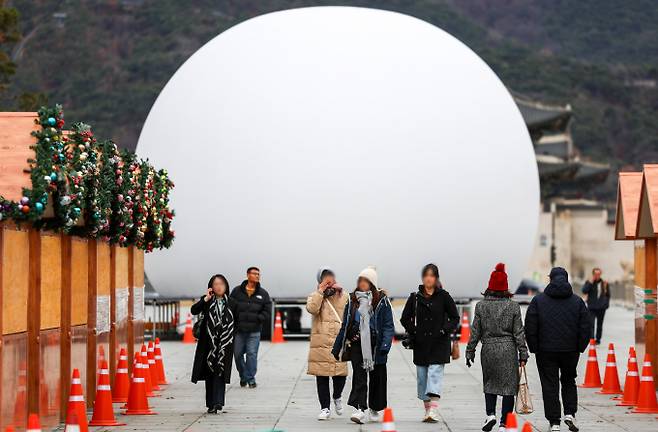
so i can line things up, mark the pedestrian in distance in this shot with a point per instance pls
(323, 304)
(597, 294)
(557, 326)
(497, 324)
(430, 317)
(213, 358)
(253, 309)
(365, 338)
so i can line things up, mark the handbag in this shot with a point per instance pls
(523, 399)
(454, 353)
(196, 328)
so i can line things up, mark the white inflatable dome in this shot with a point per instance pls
(345, 137)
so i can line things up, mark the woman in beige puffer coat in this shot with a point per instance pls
(326, 304)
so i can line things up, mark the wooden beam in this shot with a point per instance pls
(113, 315)
(33, 320)
(651, 281)
(65, 338)
(131, 305)
(92, 292)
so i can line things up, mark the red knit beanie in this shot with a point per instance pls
(498, 279)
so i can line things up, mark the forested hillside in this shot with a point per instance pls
(106, 60)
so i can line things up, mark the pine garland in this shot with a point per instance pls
(86, 188)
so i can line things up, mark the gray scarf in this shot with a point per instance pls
(365, 310)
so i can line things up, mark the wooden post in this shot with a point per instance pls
(113, 314)
(33, 321)
(131, 305)
(65, 338)
(651, 282)
(92, 290)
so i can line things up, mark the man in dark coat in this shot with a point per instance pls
(598, 301)
(253, 310)
(557, 328)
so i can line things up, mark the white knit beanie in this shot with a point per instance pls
(370, 274)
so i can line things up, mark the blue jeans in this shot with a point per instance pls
(429, 380)
(246, 345)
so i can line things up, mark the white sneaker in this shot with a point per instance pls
(338, 406)
(489, 423)
(432, 416)
(502, 428)
(374, 416)
(570, 421)
(324, 414)
(555, 428)
(358, 416)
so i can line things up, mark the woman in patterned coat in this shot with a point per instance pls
(213, 358)
(497, 325)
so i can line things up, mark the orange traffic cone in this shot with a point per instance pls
(527, 427)
(465, 333)
(188, 337)
(103, 414)
(277, 336)
(121, 379)
(33, 423)
(510, 423)
(388, 424)
(146, 373)
(137, 402)
(159, 364)
(632, 384)
(646, 399)
(611, 377)
(72, 423)
(77, 401)
(150, 352)
(592, 374)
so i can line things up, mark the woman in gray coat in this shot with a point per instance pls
(497, 324)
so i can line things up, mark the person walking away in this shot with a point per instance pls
(365, 338)
(557, 327)
(598, 301)
(253, 309)
(498, 326)
(213, 358)
(430, 317)
(323, 304)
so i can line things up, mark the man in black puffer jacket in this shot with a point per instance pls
(557, 329)
(253, 309)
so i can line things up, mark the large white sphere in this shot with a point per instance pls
(345, 137)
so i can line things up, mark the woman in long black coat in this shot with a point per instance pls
(430, 316)
(213, 358)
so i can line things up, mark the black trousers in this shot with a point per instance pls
(597, 328)
(555, 369)
(368, 388)
(508, 405)
(323, 389)
(215, 391)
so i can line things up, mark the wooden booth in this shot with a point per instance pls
(65, 302)
(637, 220)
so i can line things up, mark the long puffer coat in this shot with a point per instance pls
(200, 369)
(497, 324)
(325, 328)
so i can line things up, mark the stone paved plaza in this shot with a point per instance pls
(286, 399)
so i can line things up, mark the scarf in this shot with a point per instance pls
(365, 310)
(220, 332)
